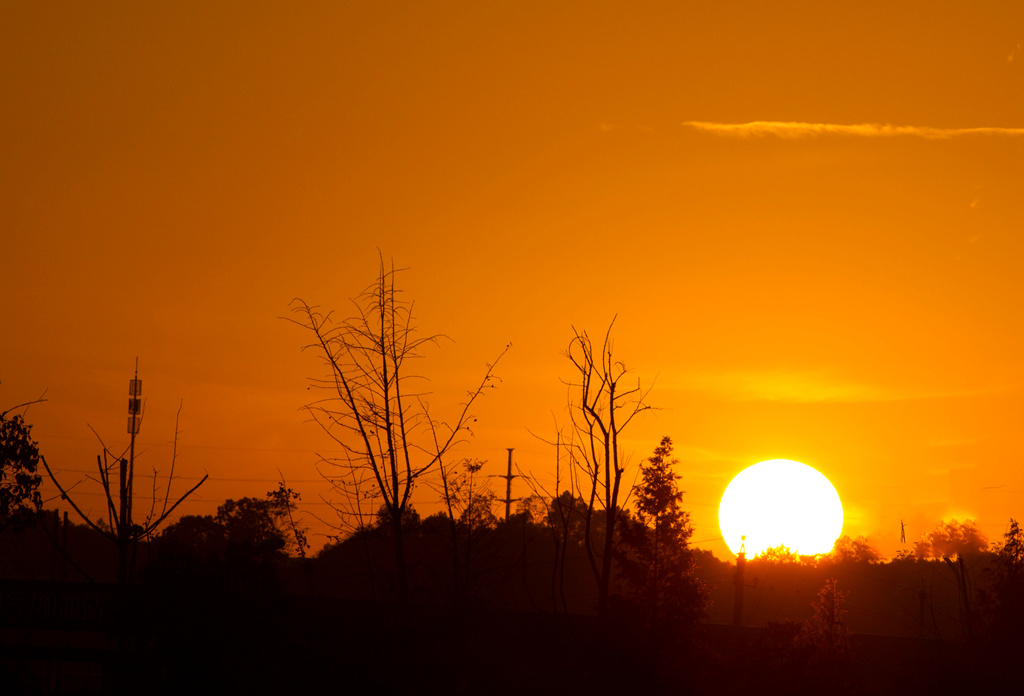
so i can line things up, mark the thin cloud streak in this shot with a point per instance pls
(807, 387)
(796, 129)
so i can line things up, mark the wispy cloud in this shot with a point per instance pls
(811, 386)
(796, 129)
(785, 386)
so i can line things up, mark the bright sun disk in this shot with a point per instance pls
(780, 502)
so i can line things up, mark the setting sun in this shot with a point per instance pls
(780, 502)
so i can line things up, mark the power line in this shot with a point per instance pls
(190, 500)
(196, 478)
(182, 446)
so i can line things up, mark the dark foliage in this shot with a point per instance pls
(385, 523)
(1003, 601)
(848, 550)
(951, 539)
(826, 632)
(232, 615)
(240, 549)
(19, 481)
(249, 523)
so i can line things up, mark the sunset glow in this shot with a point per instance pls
(470, 334)
(806, 218)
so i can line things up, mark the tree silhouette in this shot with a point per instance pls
(243, 544)
(533, 509)
(951, 539)
(857, 550)
(121, 527)
(775, 555)
(826, 630)
(1006, 601)
(371, 409)
(266, 523)
(601, 406)
(283, 506)
(250, 523)
(191, 539)
(19, 478)
(565, 517)
(657, 562)
(1010, 558)
(467, 507)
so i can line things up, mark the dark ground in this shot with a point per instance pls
(224, 643)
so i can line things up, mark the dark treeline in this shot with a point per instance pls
(232, 601)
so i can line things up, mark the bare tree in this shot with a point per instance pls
(468, 509)
(372, 410)
(601, 406)
(283, 504)
(121, 527)
(564, 515)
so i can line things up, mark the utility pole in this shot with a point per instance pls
(508, 486)
(737, 580)
(740, 583)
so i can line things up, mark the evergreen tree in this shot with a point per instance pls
(826, 630)
(656, 560)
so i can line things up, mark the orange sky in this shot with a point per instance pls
(840, 293)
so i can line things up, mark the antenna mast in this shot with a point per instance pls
(128, 473)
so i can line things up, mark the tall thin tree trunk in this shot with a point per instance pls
(403, 582)
(606, 562)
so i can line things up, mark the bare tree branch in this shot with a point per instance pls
(371, 409)
(601, 406)
(122, 530)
